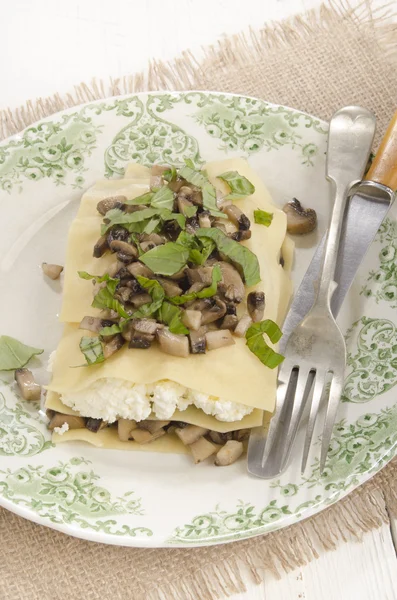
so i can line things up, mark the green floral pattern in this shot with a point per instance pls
(69, 494)
(381, 283)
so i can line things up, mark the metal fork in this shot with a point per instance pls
(315, 352)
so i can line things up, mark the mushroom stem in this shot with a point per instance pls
(29, 389)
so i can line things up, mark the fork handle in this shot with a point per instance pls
(384, 166)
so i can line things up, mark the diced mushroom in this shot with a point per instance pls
(123, 248)
(29, 389)
(204, 219)
(229, 453)
(101, 246)
(243, 325)
(224, 225)
(95, 425)
(190, 434)
(170, 287)
(237, 217)
(197, 341)
(141, 341)
(299, 220)
(199, 304)
(181, 274)
(217, 311)
(153, 426)
(124, 428)
(191, 194)
(240, 236)
(173, 343)
(156, 176)
(123, 294)
(230, 277)
(220, 438)
(155, 238)
(149, 326)
(142, 436)
(200, 275)
(112, 202)
(146, 246)
(196, 287)
(202, 449)
(256, 305)
(192, 224)
(51, 271)
(176, 185)
(229, 322)
(183, 203)
(218, 339)
(232, 294)
(138, 300)
(138, 268)
(95, 324)
(241, 435)
(191, 319)
(117, 233)
(74, 421)
(113, 345)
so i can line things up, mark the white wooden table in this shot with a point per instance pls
(49, 46)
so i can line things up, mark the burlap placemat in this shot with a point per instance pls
(318, 62)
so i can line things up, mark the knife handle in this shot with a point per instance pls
(384, 166)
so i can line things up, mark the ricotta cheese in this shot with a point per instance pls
(62, 429)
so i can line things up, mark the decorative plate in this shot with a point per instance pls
(148, 499)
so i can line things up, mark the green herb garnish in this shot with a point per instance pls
(144, 199)
(238, 254)
(198, 179)
(91, 347)
(163, 198)
(170, 174)
(190, 211)
(14, 354)
(167, 259)
(156, 292)
(262, 217)
(115, 216)
(112, 330)
(206, 292)
(199, 250)
(105, 298)
(239, 185)
(172, 316)
(256, 342)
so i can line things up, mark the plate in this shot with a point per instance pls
(148, 499)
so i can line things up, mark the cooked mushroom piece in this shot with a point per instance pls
(123, 294)
(181, 274)
(141, 341)
(170, 287)
(113, 345)
(190, 434)
(197, 341)
(124, 428)
(237, 217)
(200, 275)
(191, 319)
(215, 312)
(117, 233)
(155, 238)
(95, 425)
(191, 194)
(51, 271)
(29, 389)
(101, 246)
(173, 343)
(183, 203)
(204, 219)
(139, 300)
(112, 202)
(156, 176)
(229, 322)
(149, 326)
(220, 438)
(240, 236)
(142, 436)
(299, 220)
(229, 453)
(241, 435)
(230, 277)
(138, 268)
(146, 246)
(124, 248)
(256, 305)
(218, 339)
(202, 449)
(232, 294)
(153, 426)
(242, 326)
(93, 324)
(74, 421)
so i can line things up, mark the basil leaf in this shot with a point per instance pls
(238, 254)
(163, 198)
(14, 354)
(170, 174)
(172, 316)
(262, 217)
(167, 215)
(257, 344)
(207, 292)
(157, 293)
(98, 278)
(118, 217)
(190, 211)
(200, 250)
(208, 248)
(209, 193)
(105, 299)
(167, 259)
(144, 199)
(152, 225)
(105, 331)
(189, 163)
(239, 185)
(91, 347)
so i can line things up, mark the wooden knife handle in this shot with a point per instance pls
(384, 166)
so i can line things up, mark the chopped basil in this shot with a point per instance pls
(172, 316)
(262, 217)
(257, 344)
(189, 163)
(239, 185)
(105, 299)
(115, 216)
(167, 215)
(156, 292)
(190, 211)
(112, 330)
(152, 225)
(198, 179)
(238, 254)
(163, 198)
(167, 259)
(91, 347)
(170, 174)
(98, 278)
(199, 250)
(144, 199)
(207, 292)
(14, 354)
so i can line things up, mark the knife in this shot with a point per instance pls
(368, 203)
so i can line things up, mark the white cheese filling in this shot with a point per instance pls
(62, 429)
(111, 398)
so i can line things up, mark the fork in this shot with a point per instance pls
(315, 352)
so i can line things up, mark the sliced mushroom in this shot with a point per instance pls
(112, 202)
(29, 389)
(191, 319)
(51, 271)
(170, 287)
(181, 274)
(74, 421)
(113, 345)
(240, 236)
(123, 293)
(299, 220)
(148, 326)
(138, 268)
(191, 194)
(176, 185)
(95, 324)
(256, 305)
(155, 238)
(200, 304)
(153, 426)
(218, 339)
(229, 453)
(224, 225)
(237, 217)
(101, 246)
(197, 341)
(124, 428)
(95, 425)
(183, 203)
(230, 277)
(138, 300)
(217, 311)
(173, 343)
(220, 438)
(124, 248)
(243, 325)
(204, 219)
(156, 176)
(200, 275)
(142, 436)
(202, 449)
(190, 434)
(141, 341)
(146, 246)
(229, 322)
